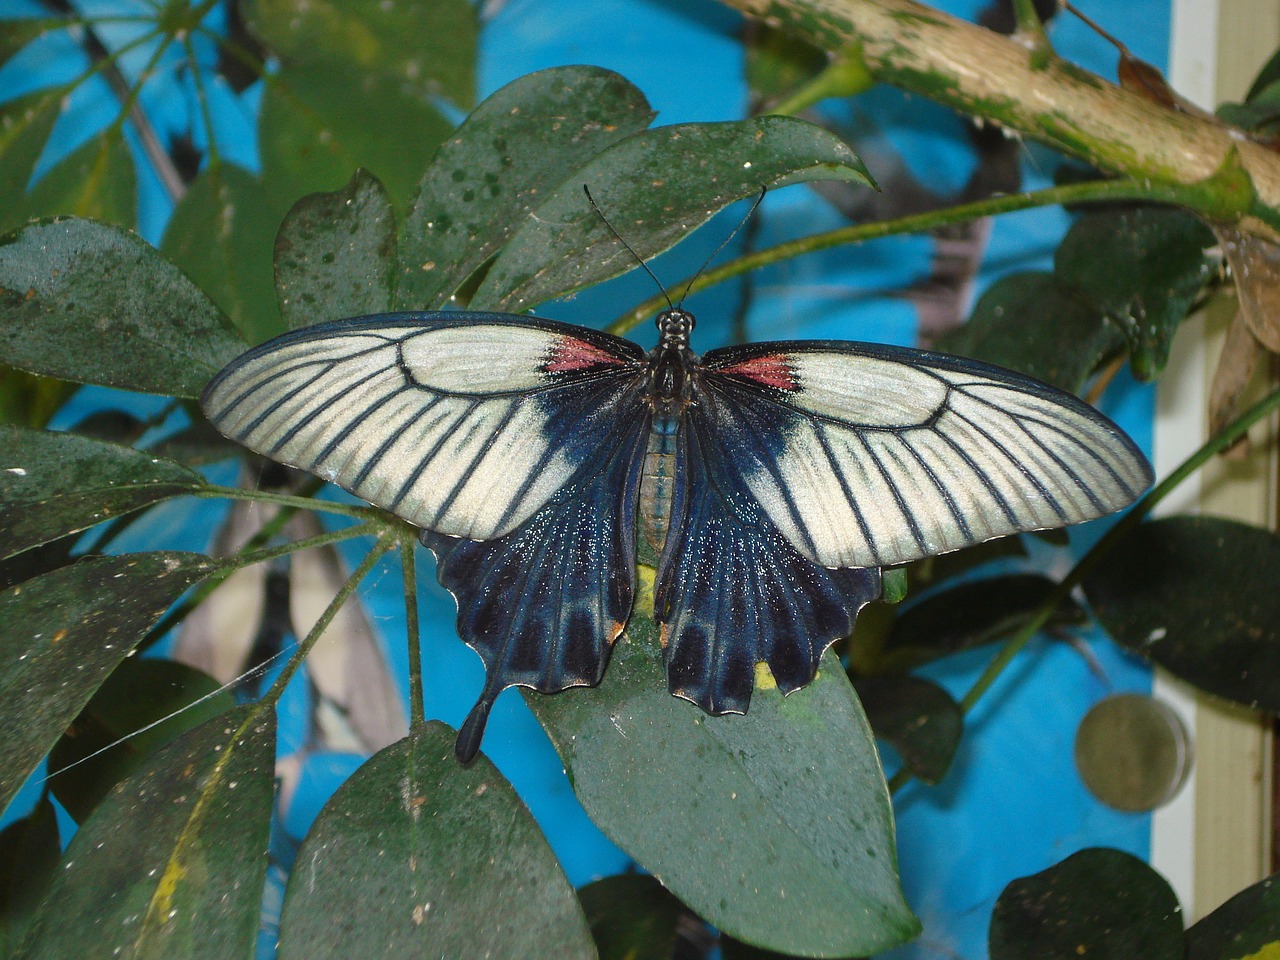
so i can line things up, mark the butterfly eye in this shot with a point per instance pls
(675, 325)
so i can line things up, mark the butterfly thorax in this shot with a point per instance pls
(670, 392)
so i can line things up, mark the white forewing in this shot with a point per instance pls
(440, 426)
(898, 455)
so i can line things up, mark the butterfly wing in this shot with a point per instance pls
(865, 456)
(461, 426)
(516, 444)
(544, 604)
(731, 590)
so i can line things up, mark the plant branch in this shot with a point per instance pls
(1225, 176)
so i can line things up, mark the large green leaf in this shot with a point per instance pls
(64, 631)
(632, 917)
(25, 123)
(171, 865)
(1143, 267)
(1198, 596)
(221, 234)
(1246, 927)
(92, 303)
(1099, 903)
(775, 826)
(145, 704)
(315, 133)
(52, 484)
(335, 254)
(96, 180)
(512, 151)
(428, 46)
(416, 856)
(657, 186)
(1033, 323)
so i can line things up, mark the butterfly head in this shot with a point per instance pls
(670, 387)
(674, 327)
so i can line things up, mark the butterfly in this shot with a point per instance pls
(772, 480)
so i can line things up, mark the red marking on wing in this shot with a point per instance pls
(570, 354)
(770, 369)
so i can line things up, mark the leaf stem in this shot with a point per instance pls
(1086, 192)
(408, 569)
(286, 500)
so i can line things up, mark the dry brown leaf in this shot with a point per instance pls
(1255, 267)
(1236, 365)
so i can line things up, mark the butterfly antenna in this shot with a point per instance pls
(723, 243)
(630, 249)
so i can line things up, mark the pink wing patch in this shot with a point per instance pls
(569, 354)
(769, 370)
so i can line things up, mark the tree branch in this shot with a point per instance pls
(1224, 176)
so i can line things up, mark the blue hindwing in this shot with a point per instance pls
(731, 591)
(544, 604)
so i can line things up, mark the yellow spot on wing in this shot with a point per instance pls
(645, 578)
(764, 677)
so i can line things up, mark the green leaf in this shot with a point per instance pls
(658, 186)
(1033, 323)
(221, 235)
(969, 615)
(775, 826)
(151, 702)
(335, 254)
(1246, 927)
(316, 133)
(1269, 74)
(92, 303)
(1143, 267)
(96, 180)
(416, 856)
(918, 718)
(632, 917)
(512, 151)
(1099, 903)
(24, 130)
(64, 632)
(1198, 596)
(426, 46)
(52, 484)
(29, 854)
(172, 864)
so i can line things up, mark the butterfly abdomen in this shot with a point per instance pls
(657, 480)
